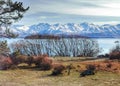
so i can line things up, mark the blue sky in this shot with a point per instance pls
(71, 11)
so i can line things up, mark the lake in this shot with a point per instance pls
(104, 43)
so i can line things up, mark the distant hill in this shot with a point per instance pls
(37, 36)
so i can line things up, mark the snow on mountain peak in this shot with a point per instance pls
(25, 28)
(84, 29)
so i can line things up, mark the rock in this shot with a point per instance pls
(87, 72)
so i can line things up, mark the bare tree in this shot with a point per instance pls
(59, 47)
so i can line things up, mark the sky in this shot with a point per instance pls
(71, 11)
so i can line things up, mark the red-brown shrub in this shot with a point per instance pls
(58, 69)
(5, 63)
(19, 59)
(115, 55)
(108, 65)
(46, 63)
(91, 67)
(43, 62)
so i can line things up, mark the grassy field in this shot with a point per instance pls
(30, 76)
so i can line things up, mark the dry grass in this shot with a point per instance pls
(30, 76)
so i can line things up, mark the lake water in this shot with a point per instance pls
(105, 44)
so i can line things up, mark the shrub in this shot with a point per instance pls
(91, 67)
(46, 63)
(115, 55)
(5, 63)
(30, 60)
(109, 65)
(115, 51)
(18, 59)
(78, 66)
(14, 57)
(43, 62)
(57, 69)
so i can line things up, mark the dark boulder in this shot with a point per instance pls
(87, 72)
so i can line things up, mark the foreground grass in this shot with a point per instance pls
(29, 76)
(25, 77)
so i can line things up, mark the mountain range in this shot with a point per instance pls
(82, 29)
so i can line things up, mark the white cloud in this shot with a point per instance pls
(94, 11)
(46, 17)
(112, 5)
(43, 17)
(104, 9)
(72, 7)
(78, 7)
(107, 22)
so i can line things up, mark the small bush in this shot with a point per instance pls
(43, 62)
(109, 65)
(19, 59)
(78, 66)
(58, 69)
(115, 55)
(46, 64)
(91, 67)
(5, 63)
(15, 56)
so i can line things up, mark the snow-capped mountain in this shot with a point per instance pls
(83, 29)
(21, 30)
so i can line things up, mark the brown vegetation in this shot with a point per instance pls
(57, 69)
(115, 55)
(43, 62)
(110, 66)
(25, 74)
(5, 62)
